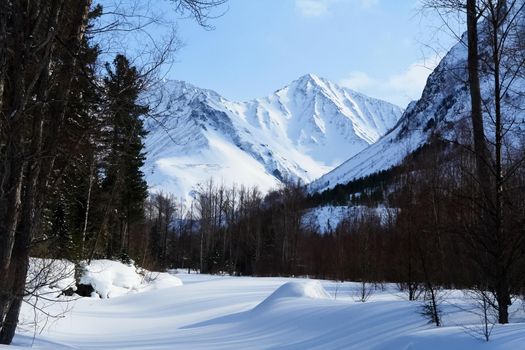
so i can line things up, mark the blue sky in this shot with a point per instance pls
(378, 47)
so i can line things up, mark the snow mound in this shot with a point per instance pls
(113, 278)
(307, 289)
(161, 280)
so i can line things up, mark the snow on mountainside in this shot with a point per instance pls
(444, 104)
(327, 218)
(302, 131)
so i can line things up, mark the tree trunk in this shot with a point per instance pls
(503, 300)
(86, 213)
(35, 182)
(11, 321)
(19, 275)
(503, 293)
(478, 131)
(29, 219)
(3, 54)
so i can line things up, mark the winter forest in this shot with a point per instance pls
(138, 211)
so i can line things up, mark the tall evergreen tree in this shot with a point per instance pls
(61, 231)
(78, 187)
(124, 180)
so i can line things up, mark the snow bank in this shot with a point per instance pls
(160, 280)
(112, 278)
(295, 289)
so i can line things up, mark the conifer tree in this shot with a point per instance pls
(61, 231)
(124, 180)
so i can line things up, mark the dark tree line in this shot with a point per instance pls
(368, 189)
(228, 230)
(434, 238)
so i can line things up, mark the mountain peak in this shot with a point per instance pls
(310, 78)
(313, 83)
(182, 89)
(301, 132)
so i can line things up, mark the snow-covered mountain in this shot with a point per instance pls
(443, 107)
(301, 131)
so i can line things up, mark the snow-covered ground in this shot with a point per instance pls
(221, 312)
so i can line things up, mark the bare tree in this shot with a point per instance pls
(495, 60)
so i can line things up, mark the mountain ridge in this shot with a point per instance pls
(439, 100)
(299, 132)
(444, 109)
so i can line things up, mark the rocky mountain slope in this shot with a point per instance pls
(301, 131)
(443, 109)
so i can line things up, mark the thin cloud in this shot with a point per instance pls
(318, 8)
(399, 88)
(368, 3)
(312, 8)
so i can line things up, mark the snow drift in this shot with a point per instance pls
(112, 278)
(222, 312)
(294, 289)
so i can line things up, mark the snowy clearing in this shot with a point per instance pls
(221, 312)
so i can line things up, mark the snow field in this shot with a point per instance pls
(222, 312)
